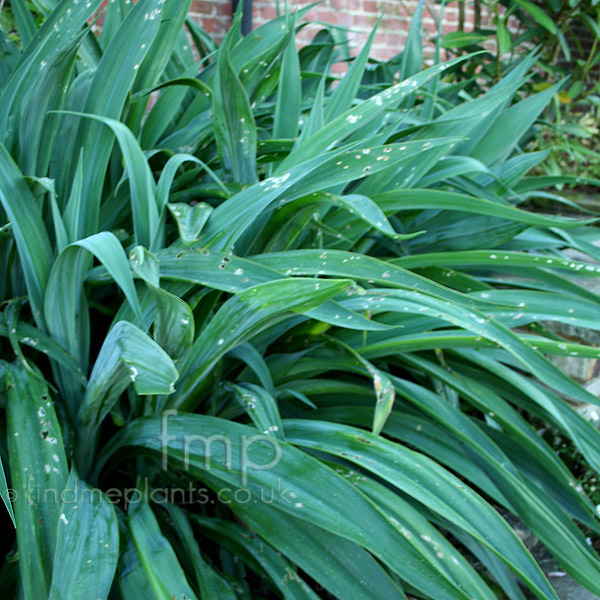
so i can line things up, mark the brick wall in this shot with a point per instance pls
(213, 15)
(358, 15)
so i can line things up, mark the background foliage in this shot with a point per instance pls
(566, 36)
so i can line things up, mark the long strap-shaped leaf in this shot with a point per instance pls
(39, 473)
(435, 544)
(281, 572)
(210, 583)
(174, 320)
(107, 94)
(127, 356)
(243, 315)
(230, 273)
(482, 324)
(87, 546)
(54, 36)
(345, 92)
(337, 564)
(361, 267)
(307, 489)
(235, 129)
(498, 260)
(165, 577)
(232, 218)
(174, 13)
(35, 251)
(534, 449)
(429, 483)
(354, 118)
(144, 208)
(547, 520)
(5, 493)
(441, 200)
(66, 305)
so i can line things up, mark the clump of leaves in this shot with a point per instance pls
(567, 39)
(260, 339)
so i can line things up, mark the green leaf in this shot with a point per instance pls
(134, 584)
(338, 263)
(38, 126)
(499, 260)
(172, 17)
(385, 395)
(545, 519)
(412, 55)
(6, 496)
(235, 130)
(261, 408)
(358, 116)
(510, 126)
(538, 15)
(62, 25)
(397, 200)
(66, 305)
(87, 545)
(174, 321)
(384, 390)
(127, 356)
(362, 207)
(320, 496)
(34, 338)
(584, 435)
(340, 566)
(24, 21)
(281, 572)
(462, 39)
(190, 219)
(165, 577)
(244, 315)
(504, 40)
(343, 95)
(289, 93)
(32, 240)
(39, 473)
(429, 483)
(210, 583)
(231, 273)
(113, 17)
(108, 91)
(414, 523)
(252, 357)
(144, 209)
(233, 217)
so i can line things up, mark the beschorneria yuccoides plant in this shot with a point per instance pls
(275, 337)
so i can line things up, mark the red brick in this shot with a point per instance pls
(202, 8)
(449, 28)
(335, 18)
(224, 8)
(370, 6)
(359, 15)
(268, 12)
(211, 25)
(364, 21)
(339, 68)
(392, 39)
(392, 23)
(344, 5)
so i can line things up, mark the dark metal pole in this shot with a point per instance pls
(247, 14)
